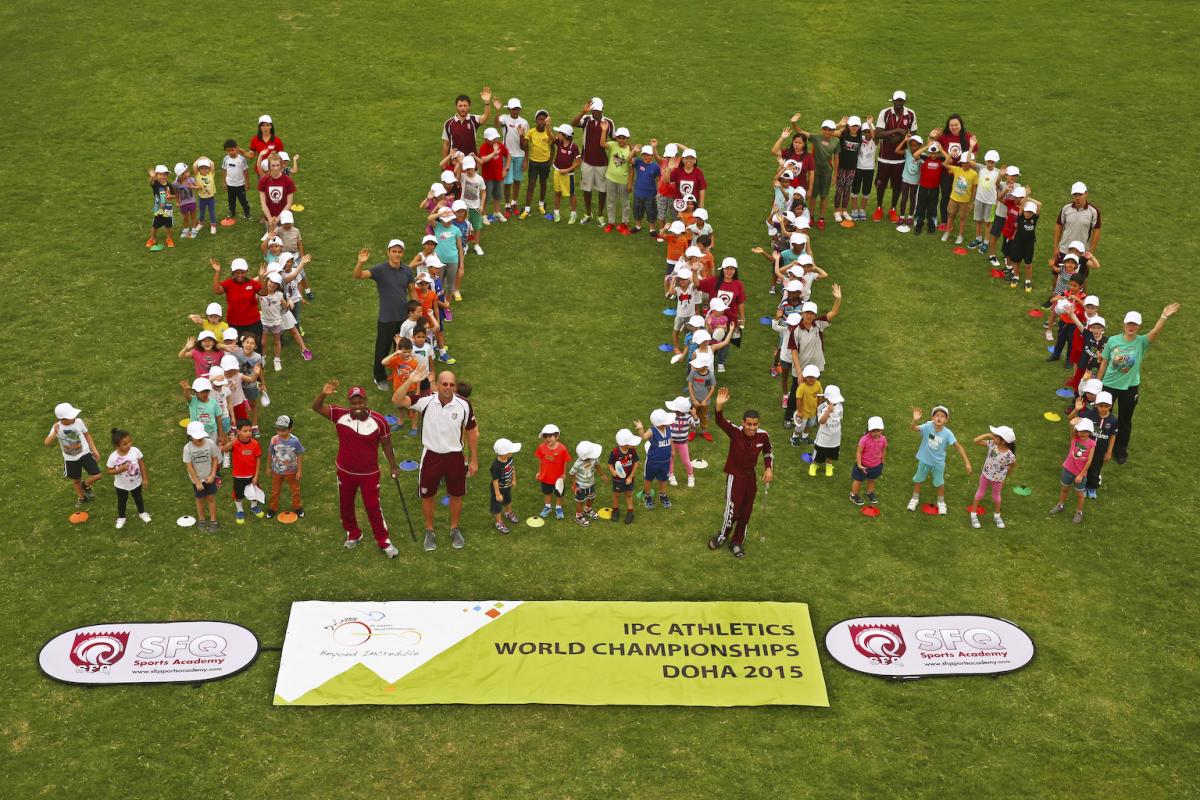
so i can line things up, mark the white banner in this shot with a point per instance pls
(149, 652)
(918, 647)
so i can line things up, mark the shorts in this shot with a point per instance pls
(656, 471)
(223, 425)
(645, 207)
(436, 466)
(679, 321)
(564, 183)
(239, 486)
(539, 170)
(251, 392)
(984, 211)
(242, 410)
(548, 488)
(475, 217)
(496, 506)
(863, 178)
(206, 490)
(274, 330)
(163, 222)
(187, 208)
(997, 226)
(494, 189)
(515, 165)
(869, 474)
(823, 454)
(821, 181)
(620, 487)
(925, 470)
(1018, 253)
(76, 468)
(958, 207)
(585, 494)
(289, 322)
(593, 179)
(1068, 479)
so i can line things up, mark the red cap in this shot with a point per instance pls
(356, 391)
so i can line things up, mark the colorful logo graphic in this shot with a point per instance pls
(359, 629)
(882, 641)
(96, 652)
(495, 610)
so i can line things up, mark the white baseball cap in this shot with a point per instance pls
(805, 260)
(680, 405)
(491, 134)
(647, 150)
(458, 205)
(1078, 187)
(424, 277)
(991, 155)
(1104, 397)
(1030, 206)
(689, 153)
(564, 129)
(265, 118)
(229, 362)
(549, 428)
(1092, 300)
(1093, 386)
(514, 102)
(660, 417)
(693, 252)
(627, 438)
(701, 337)
(810, 371)
(427, 239)
(795, 270)
(798, 238)
(717, 304)
(586, 449)
(1084, 424)
(829, 124)
(671, 150)
(213, 308)
(875, 424)
(195, 430)
(793, 286)
(809, 307)
(230, 334)
(701, 213)
(1096, 320)
(1133, 317)
(468, 162)
(505, 447)
(437, 189)
(447, 213)
(729, 262)
(854, 121)
(274, 240)
(287, 217)
(677, 227)
(283, 156)
(448, 176)
(161, 168)
(833, 394)
(702, 360)
(597, 104)
(1004, 432)
(1018, 192)
(683, 273)
(396, 243)
(793, 318)
(201, 385)
(1077, 245)
(899, 95)
(622, 132)
(786, 175)
(180, 168)
(916, 139)
(238, 265)
(942, 409)
(965, 157)
(432, 262)
(696, 321)
(206, 335)
(1013, 170)
(65, 411)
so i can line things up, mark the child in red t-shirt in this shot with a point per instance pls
(494, 157)
(929, 180)
(553, 456)
(247, 460)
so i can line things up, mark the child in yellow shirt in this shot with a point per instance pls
(206, 192)
(806, 404)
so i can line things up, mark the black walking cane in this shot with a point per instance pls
(403, 504)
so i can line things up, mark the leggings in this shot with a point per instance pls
(1063, 342)
(208, 204)
(927, 207)
(947, 185)
(680, 449)
(123, 500)
(845, 182)
(235, 195)
(908, 199)
(1124, 403)
(996, 486)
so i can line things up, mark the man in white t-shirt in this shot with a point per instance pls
(514, 127)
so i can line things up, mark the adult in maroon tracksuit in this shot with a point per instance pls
(746, 442)
(361, 432)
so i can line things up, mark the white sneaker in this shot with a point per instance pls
(691, 481)
(720, 367)
(671, 479)
(1049, 335)
(484, 219)
(946, 236)
(996, 518)
(390, 551)
(958, 240)
(278, 365)
(350, 544)
(912, 503)
(501, 218)
(225, 461)
(941, 505)
(837, 216)
(478, 250)
(557, 216)
(212, 229)
(974, 520)
(120, 523)
(144, 517)
(584, 219)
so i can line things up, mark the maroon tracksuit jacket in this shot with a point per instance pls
(741, 483)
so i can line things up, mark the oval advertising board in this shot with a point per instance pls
(919, 647)
(149, 652)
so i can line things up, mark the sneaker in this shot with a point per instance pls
(629, 517)
(502, 217)
(671, 480)
(941, 507)
(557, 216)
(390, 551)
(788, 424)
(691, 481)
(299, 512)
(837, 216)
(120, 523)
(771, 290)
(144, 517)
(447, 316)
(89, 493)
(170, 242)
(212, 526)
(720, 367)
(541, 208)
(430, 541)
(971, 245)
(478, 250)
(278, 365)
(269, 513)
(858, 501)
(794, 440)
(413, 431)
(446, 358)
(486, 219)
(893, 217)
(500, 526)
(1077, 517)
(571, 221)
(558, 512)
(240, 517)
(737, 551)
(582, 520)
(457, 299)
(1057, 508)
(308, 295)
(247, 216)
(706, 436)
(872, 499)
(691, 435)
(958, 240)
(983, 248)
(821, 224)
(878, 215)
(523, 214)
(80, 502)
(591, 512)
(664, 501)
(945, 236)
(212, 230)
(829, 470)
(456, 539)
(1048, 334)
(1028, 287)
(545, 512)
(993, 262)
(812, 470)
(256, 511)
(616, 515)
(716, 542)
(306, 354)
(382, 386)
(648, 500)
(974, 520)
(912, 503)
(1090, 494)
(636, 229)
(608, 228)
(584, 219)
(996, 518)
(149, 243)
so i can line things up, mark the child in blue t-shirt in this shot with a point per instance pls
(936, 439)
(658, 456)
(646, 173)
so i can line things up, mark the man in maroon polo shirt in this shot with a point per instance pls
(595, 157)
(241, 297)
(746, 442)
(361, 433)
(459, 132)
(892, 124)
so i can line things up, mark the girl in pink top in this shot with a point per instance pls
(203, 353)
(998, 465)
(868, 462)
(1075, 467)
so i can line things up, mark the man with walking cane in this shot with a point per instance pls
(746, 442)
(361, 433)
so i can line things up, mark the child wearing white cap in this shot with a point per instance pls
(185, 194)
(702, 384)
(514, 128)
(828, 441)
(658, 456)
(1080, 453)
(206, 193)
(646, 174)
(163, 207)
(583, 471)
(987, 179)
(622, 467)
(473, 188)
(850, 135)
(677, 239)
(998, 466)
(552, 456)
(212, 320)
(963, 176)
(618, 177)
(808, 390)
(666, 191)
(699, 225)
(566, 164)
(202, 351)
(504, 478)
(1019, 249)
(936, 440)
(202, 460)
(78, 450)
(234, 167)
(541, 149)
(494, 162)
(1105, 428)
(868, 462)
(681, 433)
(1004, 189)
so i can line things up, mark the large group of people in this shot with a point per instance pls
(937, 184)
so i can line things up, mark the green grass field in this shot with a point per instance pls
(561, 324)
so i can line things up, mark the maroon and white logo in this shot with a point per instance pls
(275, 193)
(96, 652)
(881, 641)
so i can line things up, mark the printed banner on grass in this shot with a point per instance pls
(580, 653)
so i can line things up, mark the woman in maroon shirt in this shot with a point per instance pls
(955, 140)
(727, 286)
(265, 142)
(797, 151)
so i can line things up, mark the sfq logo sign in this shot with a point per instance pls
(149, 652)
(916, 647)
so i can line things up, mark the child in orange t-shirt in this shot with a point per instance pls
(708, 265)
(677, 242)
(430, 304)
(553, 456)
(400, 364)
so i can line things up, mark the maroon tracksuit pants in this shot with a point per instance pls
(739, 505)
(348, 486)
